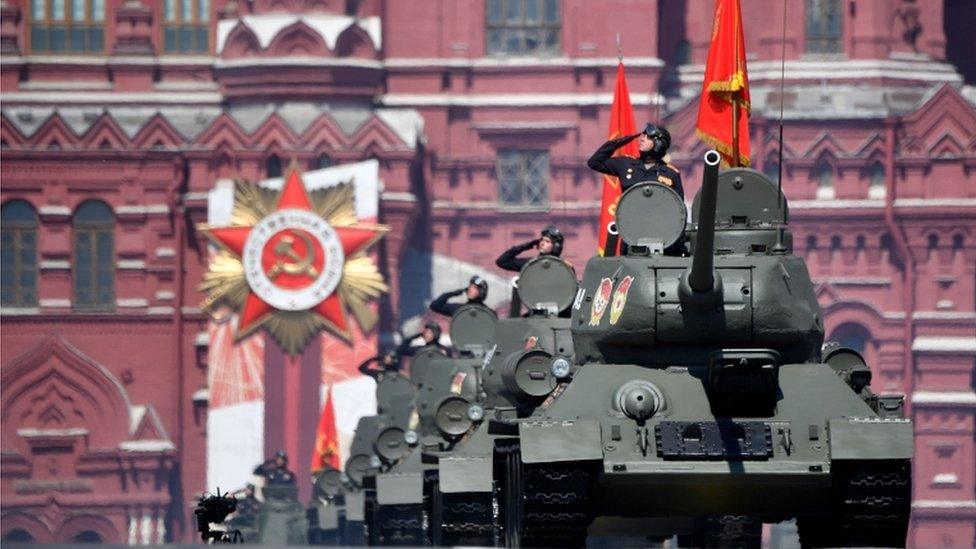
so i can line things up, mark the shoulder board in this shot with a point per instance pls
(676, 170)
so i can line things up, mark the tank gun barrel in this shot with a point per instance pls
(701, 277)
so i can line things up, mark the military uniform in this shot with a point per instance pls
(442, 306)
(632, 170)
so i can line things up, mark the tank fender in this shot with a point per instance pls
(400, 488)
(560, 440)
(871, 438)
(465, 474)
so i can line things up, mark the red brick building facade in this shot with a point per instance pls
(119, 116)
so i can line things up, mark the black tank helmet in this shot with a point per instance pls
(391, 360)
(556, 236)
(482, 285)
(435, 328)
(662, 139)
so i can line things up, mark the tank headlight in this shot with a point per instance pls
(374, 462)
(411, 437)
(345, 478)
(560, 368)
(476, 412)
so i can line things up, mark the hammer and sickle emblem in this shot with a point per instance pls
(285, 251)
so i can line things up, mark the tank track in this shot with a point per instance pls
(872, 503)
(468, 519)
(546, 505)
(399, 525)
(461, 519)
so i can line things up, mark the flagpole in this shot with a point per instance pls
(735, 130)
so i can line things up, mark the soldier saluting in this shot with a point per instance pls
(653, 145)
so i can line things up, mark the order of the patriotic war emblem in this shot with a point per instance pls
(293, 262)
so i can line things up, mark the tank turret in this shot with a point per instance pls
(740, 288)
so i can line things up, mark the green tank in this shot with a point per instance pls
(434, 420)
(703, 391)
(367, 454)
(282, 518)
(514, 376)
(327, 512)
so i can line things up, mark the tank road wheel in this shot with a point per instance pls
(872, 503)
(545, 505)
(728, 531)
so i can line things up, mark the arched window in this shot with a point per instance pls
(877, 175)
(824, 26)
(18, 264)
(88, 536)
(825, 181)
(18, 535)
(273, 166)
(94, 260)
(957, 241)
(852, 336)
(323, 161)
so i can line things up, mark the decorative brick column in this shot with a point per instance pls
(133, 41)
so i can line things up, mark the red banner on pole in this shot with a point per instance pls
(326, 453)
(621, 123)
(723, 113)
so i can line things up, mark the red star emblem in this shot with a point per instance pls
(293, 259)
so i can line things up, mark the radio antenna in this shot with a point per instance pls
(782, 100)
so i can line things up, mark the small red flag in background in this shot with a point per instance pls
(726, 79)
(621, 124)
(326, 452)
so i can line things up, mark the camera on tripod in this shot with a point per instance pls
(213, 509)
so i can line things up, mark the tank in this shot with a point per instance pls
(327, 512)
(703, 391)
(515, 375)
(368, 450)
(435, 419)
(281, 519)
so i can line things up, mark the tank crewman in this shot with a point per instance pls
(550, 242)
(476, 291)
(431, 336)
(653, 144)
(247, 506)
(275, 470)
(389, 362)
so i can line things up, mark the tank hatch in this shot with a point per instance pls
(745, 197)
(651, 217)
(547, 283)
(473, 329)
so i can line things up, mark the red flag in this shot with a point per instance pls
(326, 452)
(621, 124)
(726, 80)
